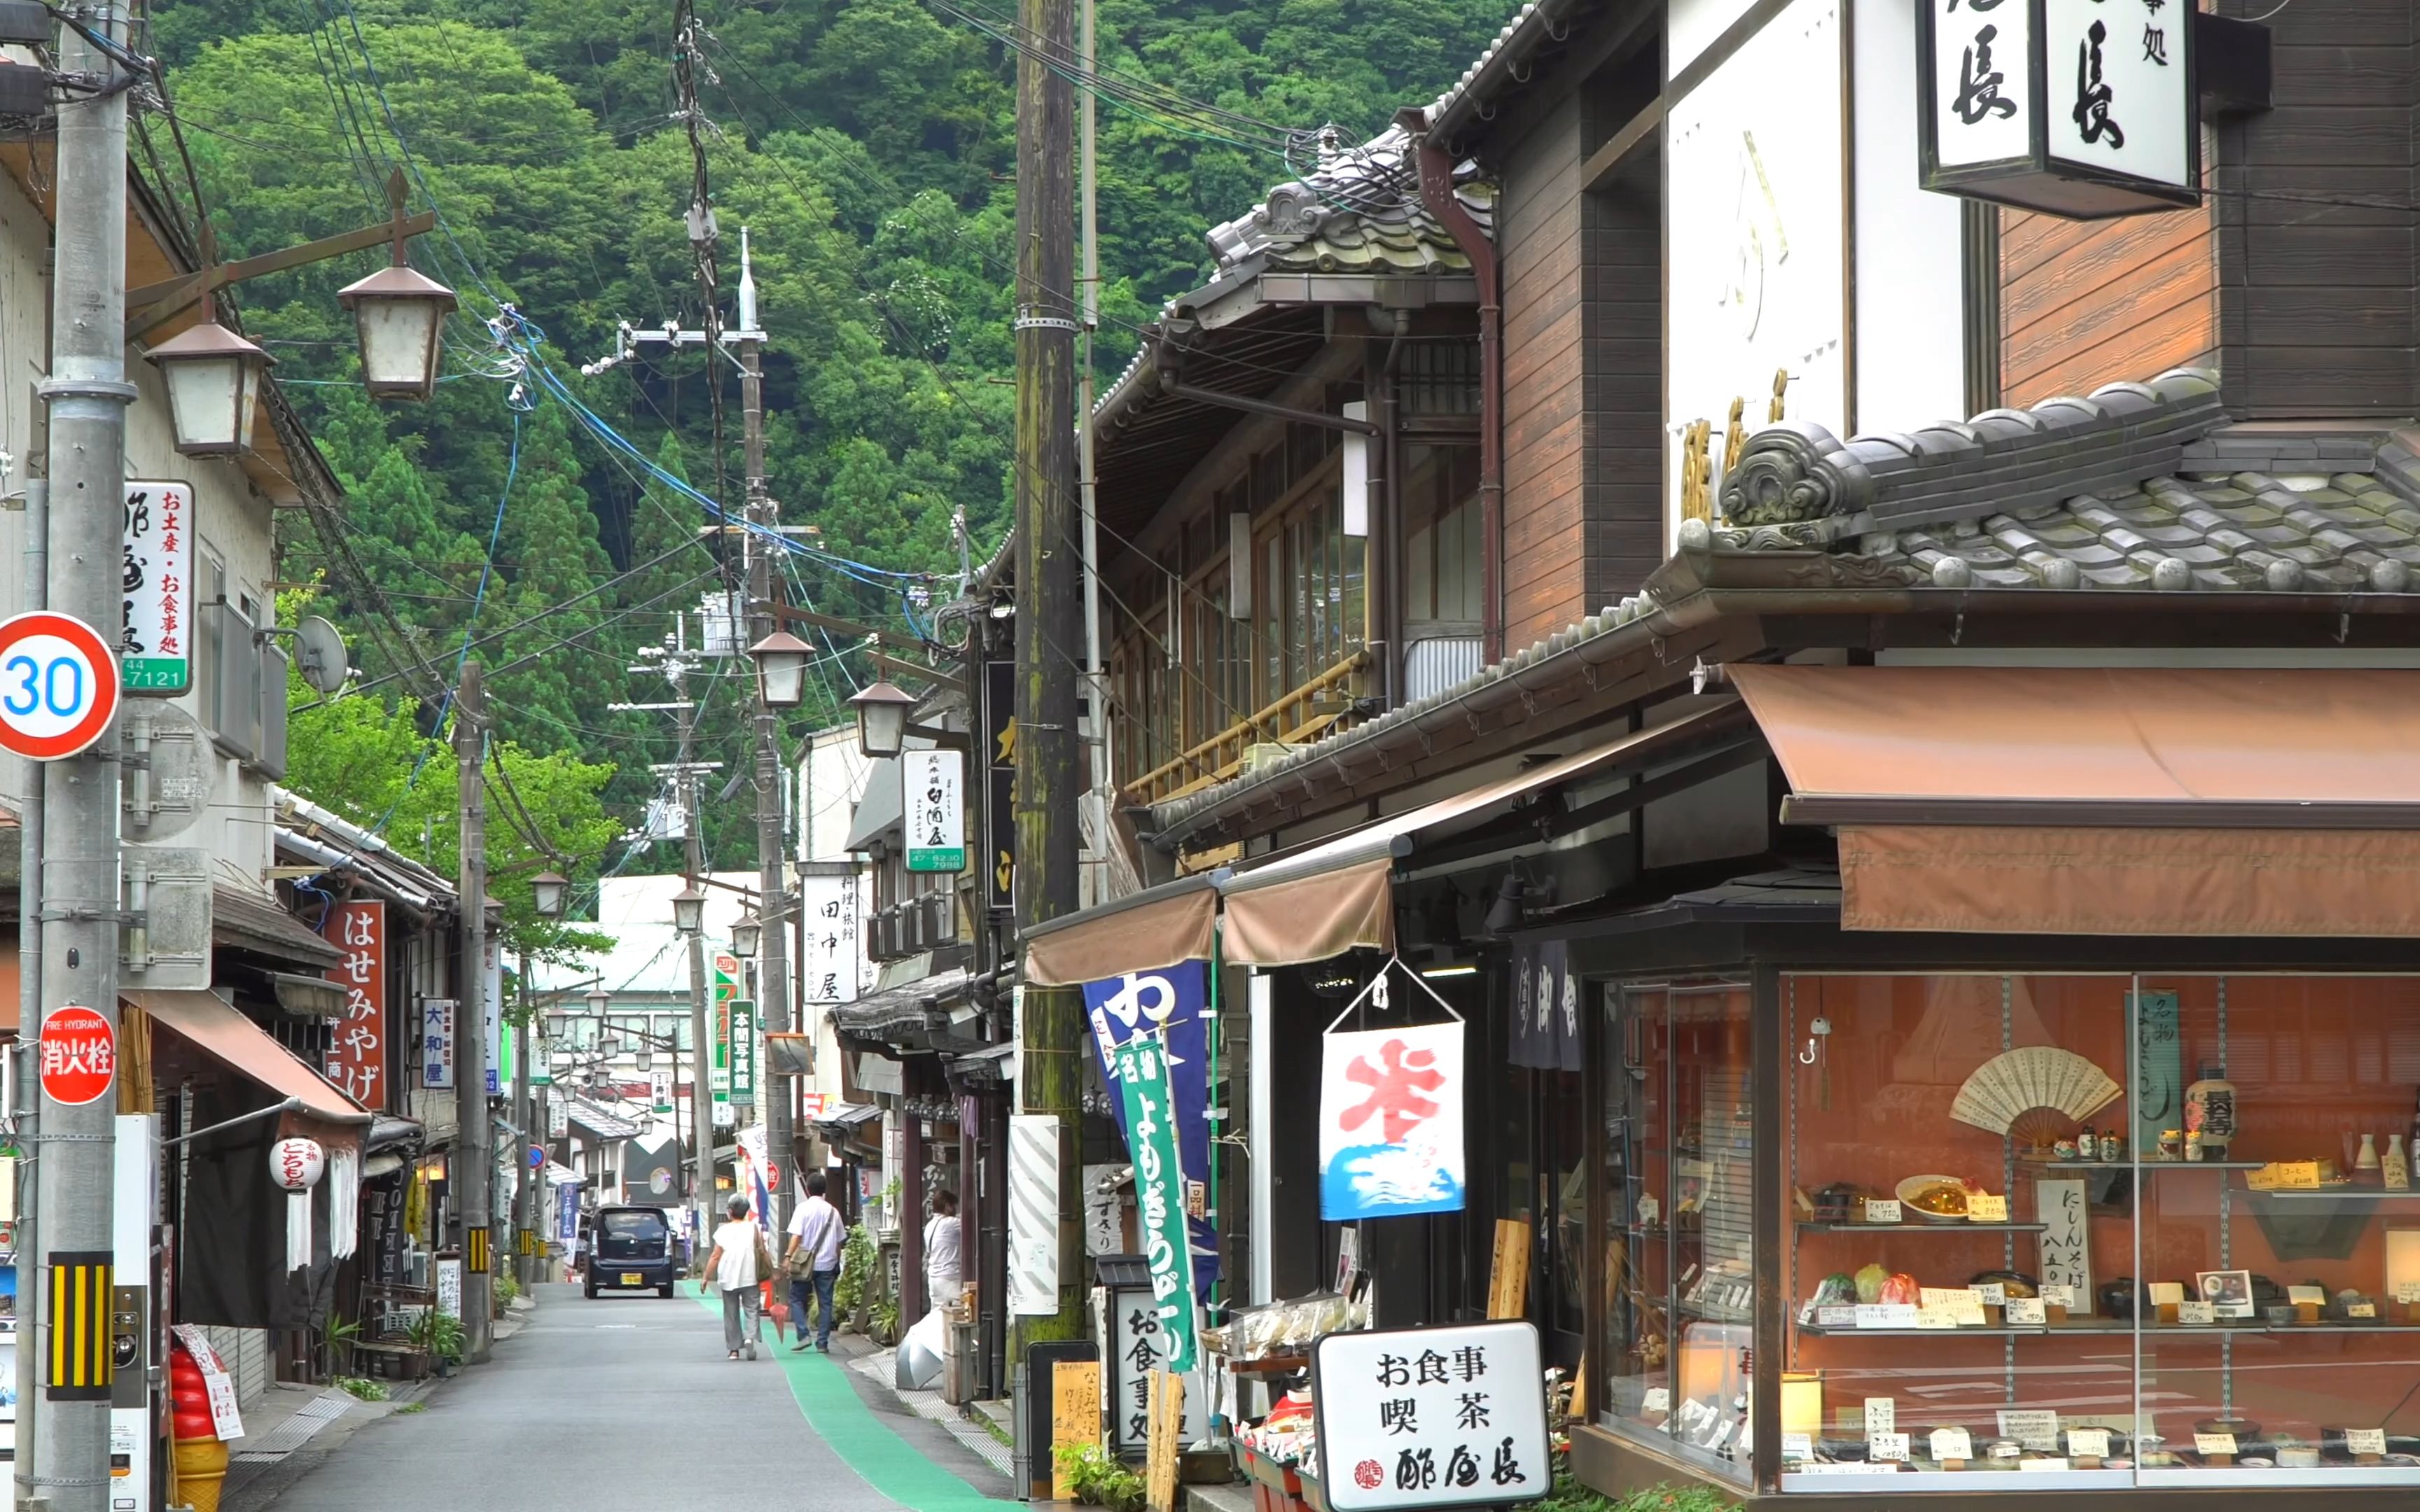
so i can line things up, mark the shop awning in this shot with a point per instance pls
(1337, 895)
(1148, 930)
(2107, 800)
(246, 921)
(230, 1037)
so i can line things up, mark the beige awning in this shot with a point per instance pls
(2107, 800)
(1149, 931)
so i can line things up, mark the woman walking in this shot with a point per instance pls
(741, 1258)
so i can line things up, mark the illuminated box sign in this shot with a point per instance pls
(2082, 109)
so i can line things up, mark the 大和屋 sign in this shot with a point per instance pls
(1391, 1136)
(2078, 108)
(1431, 1417)
(934, 802)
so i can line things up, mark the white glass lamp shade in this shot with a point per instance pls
(781, 668)
(745, 936)
(882, 720)
(689, 911)
(547, 891)
(214, 379)
(399, 315)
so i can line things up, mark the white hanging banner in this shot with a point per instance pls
(1390, 1121)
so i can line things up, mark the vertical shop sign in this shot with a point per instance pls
(999, 805)
(829, 964)
(727, 992)
(1137, 1347)
(1431, 1417)
(2159, 1069)
(357, 1048)
(155, 650)
(491, 1017)
(660, 1091)
(743, 1054)
(2065, 1245)
(1159, 1191)
(436, 1043)
(1390, 1124)
(933, 788)
(1170, 1003)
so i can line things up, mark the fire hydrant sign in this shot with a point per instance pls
(79, 1054)
(59, 686)
(1431, 1417)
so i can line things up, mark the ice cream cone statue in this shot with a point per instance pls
(201, 1458)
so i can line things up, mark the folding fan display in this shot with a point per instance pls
(2034, 1094)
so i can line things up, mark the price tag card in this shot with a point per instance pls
(1983, 1207)
(1885, 1315)
(1797, 1446)
(1881, 1210)
(2167, 1293)
(1882, 1416)
(1964, 1307)
(2361, 1309)
(1994, 1293)
(2366, 1441)
(1953, 1444)
(2088, 1443)
(2006, 1451)
(2058, 1296)
(1935, 1317)
(2290, 1175)
(2027, 1311)
(1887, 1448)
(2407, 1291)
(2031, 1428)
(2196, 1312)
(2041, 1464)
(1659, 1399)
(2214, 1443)
(2316, 1296)
(1833, 1315)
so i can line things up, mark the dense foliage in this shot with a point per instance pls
(868, 146)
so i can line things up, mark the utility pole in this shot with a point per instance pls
(1088, 296)
(87, 394)
(700, 1077)
(772, 873)
(525, 1181)
(1048, 617)
(474, 1165)
(26, 1083)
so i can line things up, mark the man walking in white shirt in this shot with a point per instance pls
(813, 1261)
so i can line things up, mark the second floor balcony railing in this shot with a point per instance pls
(1306, 712)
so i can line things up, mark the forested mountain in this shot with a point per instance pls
(868, 146)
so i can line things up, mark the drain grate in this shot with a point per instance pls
(295, 1431)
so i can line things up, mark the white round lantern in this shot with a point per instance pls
(297, 1166)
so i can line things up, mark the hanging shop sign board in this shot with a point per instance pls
(492, 1018)
(59, 686)
(356, 1059)
(436, 1043)
(1159, 1193)
(1431, 1417)
(79, 1054)
(742, 1054)
(2084, 109)
(1172, 1003)
(156, 648)
(933, 784)
(727, 992)
(1390, 1134)
(830, 960)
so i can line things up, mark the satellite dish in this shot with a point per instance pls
(319, 655)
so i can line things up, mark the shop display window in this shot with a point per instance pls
(2060, 1231)
(1681, 1148)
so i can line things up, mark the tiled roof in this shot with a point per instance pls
(1359, 211)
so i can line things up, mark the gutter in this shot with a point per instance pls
(1437, 193)
(1502, 65)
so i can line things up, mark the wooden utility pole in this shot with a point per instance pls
(1050, 618)
(473, 1165)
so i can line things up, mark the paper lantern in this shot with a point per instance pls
(297, 1166)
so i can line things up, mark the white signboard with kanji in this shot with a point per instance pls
(831, 962)
(1140, 1345)
(932, 790)
(436, 1043)
(1432, 1417)
(155, 649)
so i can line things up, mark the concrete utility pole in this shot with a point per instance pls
(1049, 616)
(525, 1181)
(701, 1074)
(474, 1163)
(87, 394)
(28, 1098)
(772, 872)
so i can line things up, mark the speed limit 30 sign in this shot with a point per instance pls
(59, 686)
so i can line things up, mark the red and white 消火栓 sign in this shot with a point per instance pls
(357, 1050)
(79, 1054)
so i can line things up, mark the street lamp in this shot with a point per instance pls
(214, 378)
(547, 891)
(599, 1000)
(399, 315)
(745, 935)
(882, 719)
(689, 911)
(781, 669)
(493, 911)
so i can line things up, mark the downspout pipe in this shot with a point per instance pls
(1437, 193)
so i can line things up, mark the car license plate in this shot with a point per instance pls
(632, 1278)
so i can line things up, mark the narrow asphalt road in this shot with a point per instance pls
(627, 1403)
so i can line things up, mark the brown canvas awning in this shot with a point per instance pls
(2107, 800)
(1149, 932)
(236, 1041)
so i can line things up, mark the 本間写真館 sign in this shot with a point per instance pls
(2077, 108)
(1431, 1417)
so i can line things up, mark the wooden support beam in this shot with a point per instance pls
(1607, 160)
(171, 296)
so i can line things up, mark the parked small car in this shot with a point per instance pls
(632, 1249)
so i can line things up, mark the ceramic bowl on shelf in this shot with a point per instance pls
(1947, 1195)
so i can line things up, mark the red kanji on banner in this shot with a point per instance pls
(357, 1050)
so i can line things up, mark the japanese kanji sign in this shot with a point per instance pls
(1390, 1122)
(1429, 1417)
(1137, 1347)
(2079, 108)
(727, 992)
(436, 1043)
(357, 1048)
(743, 1054)
(932, 791)
(1159, 1194)
(79, 1054)
(833, 957)
(155, 650)
(1170, 1003)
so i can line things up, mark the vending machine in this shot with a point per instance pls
(137, 1322)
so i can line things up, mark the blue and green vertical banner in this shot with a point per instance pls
(1172, 1004)
(1150, 1102)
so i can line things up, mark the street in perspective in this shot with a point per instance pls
(1224, 756)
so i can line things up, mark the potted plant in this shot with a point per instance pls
(439, 1335)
